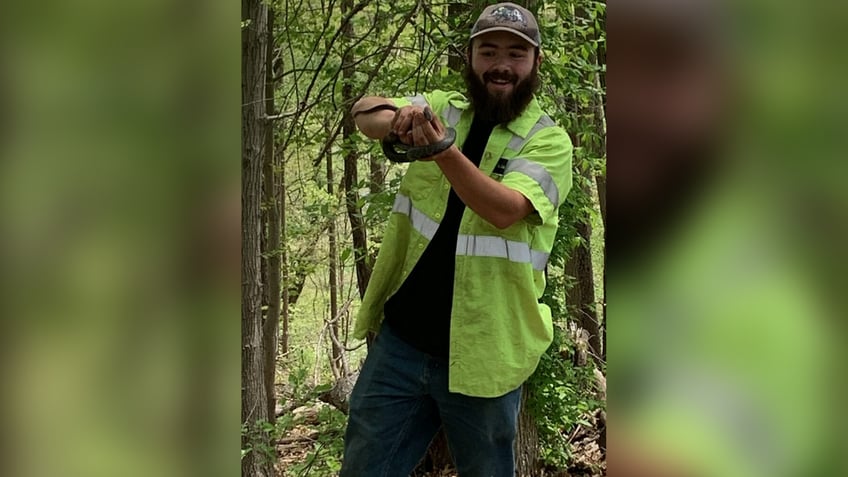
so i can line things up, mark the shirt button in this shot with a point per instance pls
(420, 245)
(438, 215)
(445, 186)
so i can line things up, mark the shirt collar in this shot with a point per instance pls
(522, 125)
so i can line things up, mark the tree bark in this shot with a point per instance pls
(581, 296)
(354, 213)
(526, 442)
(271, 325)
(601, 182)
(377, 177)
(284, 256)
(254, 395)
(335, 361)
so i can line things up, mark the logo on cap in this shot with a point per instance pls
(509, 14)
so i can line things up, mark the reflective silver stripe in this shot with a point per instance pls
(538, 173)
(539, 259)
(420, 222)
(517, 142)
(453, 115)
(417, 100)
(473, 245)
(489, 246)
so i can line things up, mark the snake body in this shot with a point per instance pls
(396, 151)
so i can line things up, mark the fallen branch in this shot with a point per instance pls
(311, 437)
(339, 395)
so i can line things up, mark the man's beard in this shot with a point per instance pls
(500, 108)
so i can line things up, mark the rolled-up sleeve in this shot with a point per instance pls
(542, 172)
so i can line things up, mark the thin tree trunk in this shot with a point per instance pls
(377, 177)
(333, 261)
(601, 181)
(271, 326)
(354, 213)
(284, 257)
(254, 396)
(581, 296)
(296, 282)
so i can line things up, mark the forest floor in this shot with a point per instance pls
(311, 445)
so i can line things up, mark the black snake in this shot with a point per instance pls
(396, 151)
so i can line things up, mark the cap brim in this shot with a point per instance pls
(507, 29)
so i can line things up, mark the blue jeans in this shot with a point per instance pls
(400, 401)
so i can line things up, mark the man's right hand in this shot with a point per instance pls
(403, 122)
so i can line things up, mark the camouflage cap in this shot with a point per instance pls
(508, 17)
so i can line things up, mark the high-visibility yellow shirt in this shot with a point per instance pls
(498, 330)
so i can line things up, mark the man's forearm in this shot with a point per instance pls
(495, 202)
(375, 125)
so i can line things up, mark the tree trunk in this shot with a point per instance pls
(295, 283)
(271, 325)
(526, 442)
(354, 213)
(581, 296)
(284, 264)
(378, 173)
(254, 396)
(335, 362)
(601, 181)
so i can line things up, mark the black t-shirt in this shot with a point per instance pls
(420, 311)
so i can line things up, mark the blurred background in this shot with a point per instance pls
(727, 218)
(119, 178)
(119, 243)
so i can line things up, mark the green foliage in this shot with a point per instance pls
(560, 395)
(325, 459)
(560, 398)
(259, 437)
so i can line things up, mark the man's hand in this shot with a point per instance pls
(414, 129)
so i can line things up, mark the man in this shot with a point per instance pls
(455, 289)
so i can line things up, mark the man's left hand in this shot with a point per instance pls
(426, 132)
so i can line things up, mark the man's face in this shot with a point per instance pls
(502, 76)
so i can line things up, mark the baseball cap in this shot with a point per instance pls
(508, 17)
